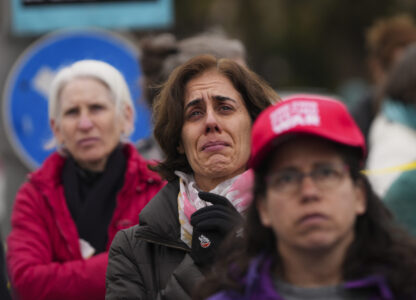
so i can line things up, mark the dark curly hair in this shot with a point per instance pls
(380, 246)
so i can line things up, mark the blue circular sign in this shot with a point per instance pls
(25, 99)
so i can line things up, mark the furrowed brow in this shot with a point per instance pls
(223, 98)
(191, 103)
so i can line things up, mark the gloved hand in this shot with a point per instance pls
(211, 225)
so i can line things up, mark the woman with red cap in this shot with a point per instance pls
(315, 229)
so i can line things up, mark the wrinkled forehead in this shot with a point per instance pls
(210, 83)
(84, 89)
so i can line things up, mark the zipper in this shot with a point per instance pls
(58, 224)
(170, 245)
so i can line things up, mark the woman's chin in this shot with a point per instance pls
(92, 162)
(320, 243)
(218, 166)
(222, 171)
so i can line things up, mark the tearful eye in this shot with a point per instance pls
(194, 114)
(225, 108)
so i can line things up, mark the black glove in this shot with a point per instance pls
(211, 225)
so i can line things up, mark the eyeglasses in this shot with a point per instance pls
(325, 176)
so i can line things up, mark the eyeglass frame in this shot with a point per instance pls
(341, 170)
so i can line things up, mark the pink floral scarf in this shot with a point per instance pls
(238, 190)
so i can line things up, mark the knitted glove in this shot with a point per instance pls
(211, 225)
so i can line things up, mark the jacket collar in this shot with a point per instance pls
(377, 281)
(159, 219)
(258, 278)
(49, 174)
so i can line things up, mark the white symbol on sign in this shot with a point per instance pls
(42, 80)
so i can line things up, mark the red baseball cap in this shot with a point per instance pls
(315, 115)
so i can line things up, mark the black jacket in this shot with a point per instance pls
(150, 261)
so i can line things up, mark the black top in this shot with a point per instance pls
(91, 197)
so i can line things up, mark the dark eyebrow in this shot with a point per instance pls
(193, 103)
(199, 100)
(323, 164)
(288, 168)
(223, 98)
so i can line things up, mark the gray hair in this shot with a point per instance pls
(96, 69)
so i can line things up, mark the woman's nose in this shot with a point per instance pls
(211, 124)
(308, 189)
(85, 122)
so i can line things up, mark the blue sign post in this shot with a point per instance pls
(25, 106)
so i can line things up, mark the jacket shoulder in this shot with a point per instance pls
(123, 241)
(162, 206)
(49, 172)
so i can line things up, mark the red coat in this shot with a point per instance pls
(43, 257)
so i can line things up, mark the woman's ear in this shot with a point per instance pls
(261, 206)
(360, 197)
(128, 120)
(56, 131)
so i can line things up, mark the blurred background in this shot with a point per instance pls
(306, 46)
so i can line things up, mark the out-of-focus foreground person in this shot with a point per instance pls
(315, 229)
(393, 141)
(203, 117)
(385, 41)
(161, 54)
(67, 213)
